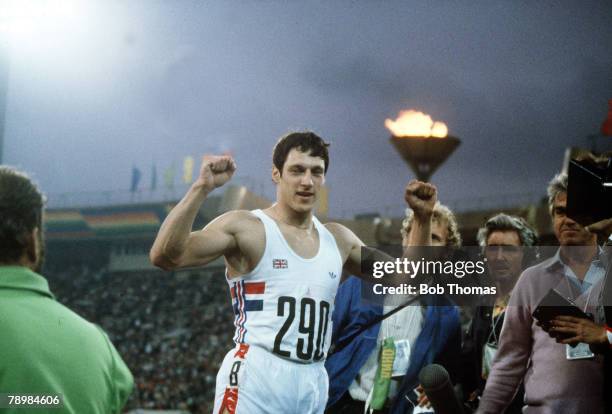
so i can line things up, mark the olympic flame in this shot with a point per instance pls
(413, 123)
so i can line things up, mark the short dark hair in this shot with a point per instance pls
(307, 141)
(21, 206)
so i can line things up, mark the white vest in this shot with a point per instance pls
(285, 304)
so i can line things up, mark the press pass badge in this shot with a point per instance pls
(580, 351)
(402, 358)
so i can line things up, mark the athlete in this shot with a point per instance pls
(283, 270)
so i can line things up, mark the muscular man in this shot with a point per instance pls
(283, 269)
(46, 350)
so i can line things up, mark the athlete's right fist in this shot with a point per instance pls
(215, 171)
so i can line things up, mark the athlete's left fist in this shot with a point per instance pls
(421, 198)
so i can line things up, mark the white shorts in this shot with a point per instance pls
(252, 381)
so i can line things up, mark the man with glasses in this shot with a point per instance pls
(558, 377)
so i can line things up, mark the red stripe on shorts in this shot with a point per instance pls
(230, 399)
(242, 351)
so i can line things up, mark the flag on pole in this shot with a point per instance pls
(188, 170)
(169, 174)
(153, 177)
(136, 174)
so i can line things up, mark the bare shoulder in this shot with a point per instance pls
(338, 230)
(236, 220)
(345, 238)
(247, 231)
(349, 245)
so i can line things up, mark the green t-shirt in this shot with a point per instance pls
(46, 350)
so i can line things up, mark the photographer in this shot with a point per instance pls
(598, 336)
(557, 377)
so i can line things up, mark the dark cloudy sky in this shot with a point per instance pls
(135, 83)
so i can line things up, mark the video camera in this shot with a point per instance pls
(589, 189)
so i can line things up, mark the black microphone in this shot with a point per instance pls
(438, 387)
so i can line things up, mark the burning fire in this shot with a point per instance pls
(413, 123)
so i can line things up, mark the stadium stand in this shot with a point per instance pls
(171, 330)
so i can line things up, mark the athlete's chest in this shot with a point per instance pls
(304, 243)
(275, 247)
(253, 240)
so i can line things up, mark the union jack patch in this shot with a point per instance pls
(279, 264)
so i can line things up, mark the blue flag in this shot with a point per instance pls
(135, 179)
(153, 178)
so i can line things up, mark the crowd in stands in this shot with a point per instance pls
(172, 330)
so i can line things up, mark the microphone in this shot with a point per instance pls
(437, 385)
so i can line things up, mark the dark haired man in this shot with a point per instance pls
(46, 350)
(283, 268)
(508, 244)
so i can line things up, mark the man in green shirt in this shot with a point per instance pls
(49, 355)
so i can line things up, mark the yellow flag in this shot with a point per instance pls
(169, 174)
(188, 170)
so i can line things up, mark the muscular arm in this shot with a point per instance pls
(176, 245)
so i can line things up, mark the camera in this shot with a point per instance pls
(589, 189)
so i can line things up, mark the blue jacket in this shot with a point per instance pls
(439, 342)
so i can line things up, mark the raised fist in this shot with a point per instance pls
(215, 171)
(421, 198)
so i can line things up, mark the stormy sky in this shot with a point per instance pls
(117, 84)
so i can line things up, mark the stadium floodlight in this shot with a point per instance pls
(20, 19)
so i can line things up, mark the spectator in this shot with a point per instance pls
(45, 348)
(432, 330)
(508, 247)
